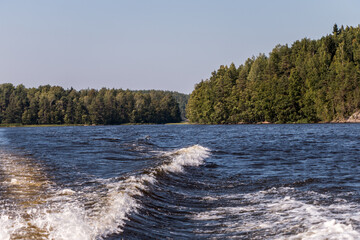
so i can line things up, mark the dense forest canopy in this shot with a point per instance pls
(181, 98)
(311, 81)
(55, 105)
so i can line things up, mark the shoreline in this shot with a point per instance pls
(14, 125)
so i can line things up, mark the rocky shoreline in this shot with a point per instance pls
(354, 118)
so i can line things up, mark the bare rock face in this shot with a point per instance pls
(355, 118)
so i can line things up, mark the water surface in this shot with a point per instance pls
(180, 182)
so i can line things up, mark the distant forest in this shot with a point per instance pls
(308, 82)
(55, 105)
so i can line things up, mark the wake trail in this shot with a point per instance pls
(37, 208)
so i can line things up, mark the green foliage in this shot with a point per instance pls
(55, 105)
(311, 81)
(181, 98)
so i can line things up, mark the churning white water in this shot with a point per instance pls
(284, 213)
(272, 182)
(34, 207)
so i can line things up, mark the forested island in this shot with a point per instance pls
(56, 105)
(311, 81)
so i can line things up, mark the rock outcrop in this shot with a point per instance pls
(355, 118)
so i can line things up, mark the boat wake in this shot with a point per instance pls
(281, 213)
(36, 208)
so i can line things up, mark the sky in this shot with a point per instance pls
(151, 44)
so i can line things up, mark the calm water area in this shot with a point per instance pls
(296, 181)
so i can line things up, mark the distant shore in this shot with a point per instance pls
(180, 123)
(9, 125)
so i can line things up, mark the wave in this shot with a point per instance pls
(92, 212)
(282, 213)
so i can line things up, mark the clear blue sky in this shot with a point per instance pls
(150, 44)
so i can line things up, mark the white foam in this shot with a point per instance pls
(66, 191)
(209, 198)
(94, 212)
(6, 227)
(192, 156)
(329, 230)
(14, 181)
(67, 223)
(278, 211)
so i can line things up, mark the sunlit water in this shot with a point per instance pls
(180, 182)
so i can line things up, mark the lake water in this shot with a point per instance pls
(181, 182)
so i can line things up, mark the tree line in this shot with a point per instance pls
(56, 105)
(181, 98)
(308, 82)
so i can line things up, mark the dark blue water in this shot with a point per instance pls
(180, 182)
